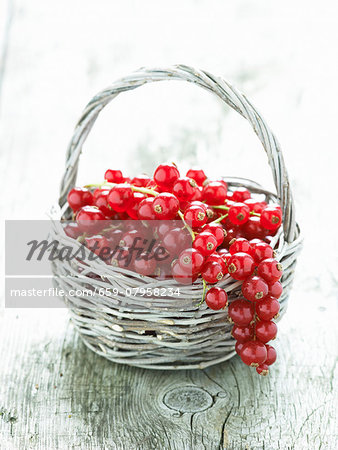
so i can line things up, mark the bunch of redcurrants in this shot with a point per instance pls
(217, 232)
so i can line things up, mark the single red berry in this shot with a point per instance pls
(253, 228)
(144, 265)
(120, 197)
(215, 193)
(270, 269)
(268, 308)
(240, 266)
(123, 257)
(191, 261)
(145, 209)
(131, 237)
(165, 176)
(90, 219)
(215, 257)
(241, 312)
(266, 330)
(212, 272)
(242, 334)
(79, 197)
(140, 181)
(216, 298)
(181, 276)
(238, 347)
(197, 194)
(99, 245)
(196, 216)
(100, 200)
(114, 237)
(255, 206)
(205, 243)
(72, 230)
(254, 288)
(272, 355)
(114, 176)
(260, 251)
(232, 233)
(217, 230)
(225, 255)
(253, 353)
(241, 194)
(275, 289)
(166, 206)
(271, 217)
(185, 189)
(176, 240)
(198, 175)
(132, 211)
(240, 245)
(239, 213)
(262, 369)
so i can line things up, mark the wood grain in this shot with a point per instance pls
(57, 394)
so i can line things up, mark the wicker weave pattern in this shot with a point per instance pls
(155, 332)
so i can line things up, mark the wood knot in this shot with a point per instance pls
(188, 399)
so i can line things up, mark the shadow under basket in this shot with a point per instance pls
(152, 331)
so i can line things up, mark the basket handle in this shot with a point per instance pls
(215, 85)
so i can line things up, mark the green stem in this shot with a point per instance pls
(226, 208)
(205, 287)
(220, 218)
(186, 225)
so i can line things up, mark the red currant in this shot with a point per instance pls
(254, 288)
(176, 240)
(275, 289)
(253, 228)
(99, 245)
(145, 209)
(166, 206)
(72, 230)
(268, 308)
(255, 206)
(140, 181)
(79, 197)
(191, 261)
(90, 219)
(196, 216)
(205, 243)
(271, 217)
(266, 330)
(238, 347)
(240, 245)
(242, 334)
(132, 211)
(144, 265)
(240, 266)
(212, 272)
(215, 257)
(240, 195)
(198, 175)
(216, 298)
(120, 197)
(241, 312)
(262, 369)
(181, 276)
(253, 353)
(217, 230)
(101, 201)
(261, 251)
(185, 188)
(215, 193)
(165, 176)
(239, 213)
(272, 355)
(225, 255)
(270, 269)
(114, 176)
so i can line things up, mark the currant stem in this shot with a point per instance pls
(186, 225)
(143, 190)
(220, 218)
(226, 208)
(205, 287)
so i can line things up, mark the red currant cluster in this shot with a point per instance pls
(217, 233)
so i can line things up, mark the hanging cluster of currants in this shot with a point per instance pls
(216, 233)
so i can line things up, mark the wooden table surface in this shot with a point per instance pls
(54, 392)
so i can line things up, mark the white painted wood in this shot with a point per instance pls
(58, 56)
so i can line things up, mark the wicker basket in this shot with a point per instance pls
(155, 332)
